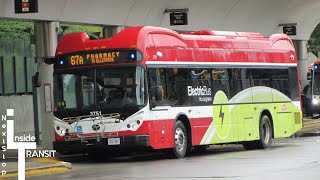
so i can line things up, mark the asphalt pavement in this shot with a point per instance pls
(41, 166)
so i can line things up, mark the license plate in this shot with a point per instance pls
(113, 141)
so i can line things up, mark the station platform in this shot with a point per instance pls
(42, 166)
(311, 127)
(33, 166)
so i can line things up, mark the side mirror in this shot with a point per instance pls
(158, 93)
(309, 76)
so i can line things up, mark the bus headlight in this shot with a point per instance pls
(133, 122)
(315, 101)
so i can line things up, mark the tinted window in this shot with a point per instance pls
(239, 80)
(280, 81)
(220, 81)
(293, 84)
(260, 77)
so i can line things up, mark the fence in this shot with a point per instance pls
(17, 66)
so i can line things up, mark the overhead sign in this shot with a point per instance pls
(290, 30)
(26, 6)
(178, 18)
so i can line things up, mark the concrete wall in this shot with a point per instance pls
(236, 15)
(23, 113)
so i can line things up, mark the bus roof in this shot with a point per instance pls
(312, 64)
(161, 44)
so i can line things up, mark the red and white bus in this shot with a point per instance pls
(151, 87)
(311, 92)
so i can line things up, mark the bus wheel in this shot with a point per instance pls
(265, 130)
(180, 140)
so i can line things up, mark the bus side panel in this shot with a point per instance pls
(288, 120)
(199, 126)
(262, 98)
(287, 115)
(162, 134)
(224, 127)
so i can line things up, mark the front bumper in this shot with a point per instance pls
(78, 146)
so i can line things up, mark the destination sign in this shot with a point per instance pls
(98, 57)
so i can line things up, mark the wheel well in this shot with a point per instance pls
(185, 120)
(267, 113)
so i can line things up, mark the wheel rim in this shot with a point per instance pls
(179, 140)
(266, 132)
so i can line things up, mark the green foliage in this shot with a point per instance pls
(89, 29)
(15, 29)
(314, 41)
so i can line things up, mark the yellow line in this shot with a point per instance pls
(38, 172)
(312, 125)
(307, 129)
(49, 160)
(309, 118)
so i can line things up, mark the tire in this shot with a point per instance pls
(180, 140)
(265, 131)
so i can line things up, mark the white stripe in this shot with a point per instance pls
(221, 63)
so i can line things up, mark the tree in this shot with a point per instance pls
(314, 41)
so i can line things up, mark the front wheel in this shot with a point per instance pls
(180, 140)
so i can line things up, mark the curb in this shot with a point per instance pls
(56, 167)
(309, 134)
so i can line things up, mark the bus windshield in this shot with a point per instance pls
(100, 88)
(316, 83)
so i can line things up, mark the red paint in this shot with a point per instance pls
(57, 137)
(145, 128)
(203, 46)
(162, 134)
(25, 4)
(199, 127)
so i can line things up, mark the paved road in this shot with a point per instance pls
(289, 159)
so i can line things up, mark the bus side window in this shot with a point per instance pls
(157, 77)
(260, 77)
(220, 81)
(280, 81)
(177, 85)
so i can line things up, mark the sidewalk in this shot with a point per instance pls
(34, 166)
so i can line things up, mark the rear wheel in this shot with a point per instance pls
(265, 132)
(180, 140)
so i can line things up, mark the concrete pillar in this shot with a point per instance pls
(46, 38)
(110, 31)
(303, 60)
